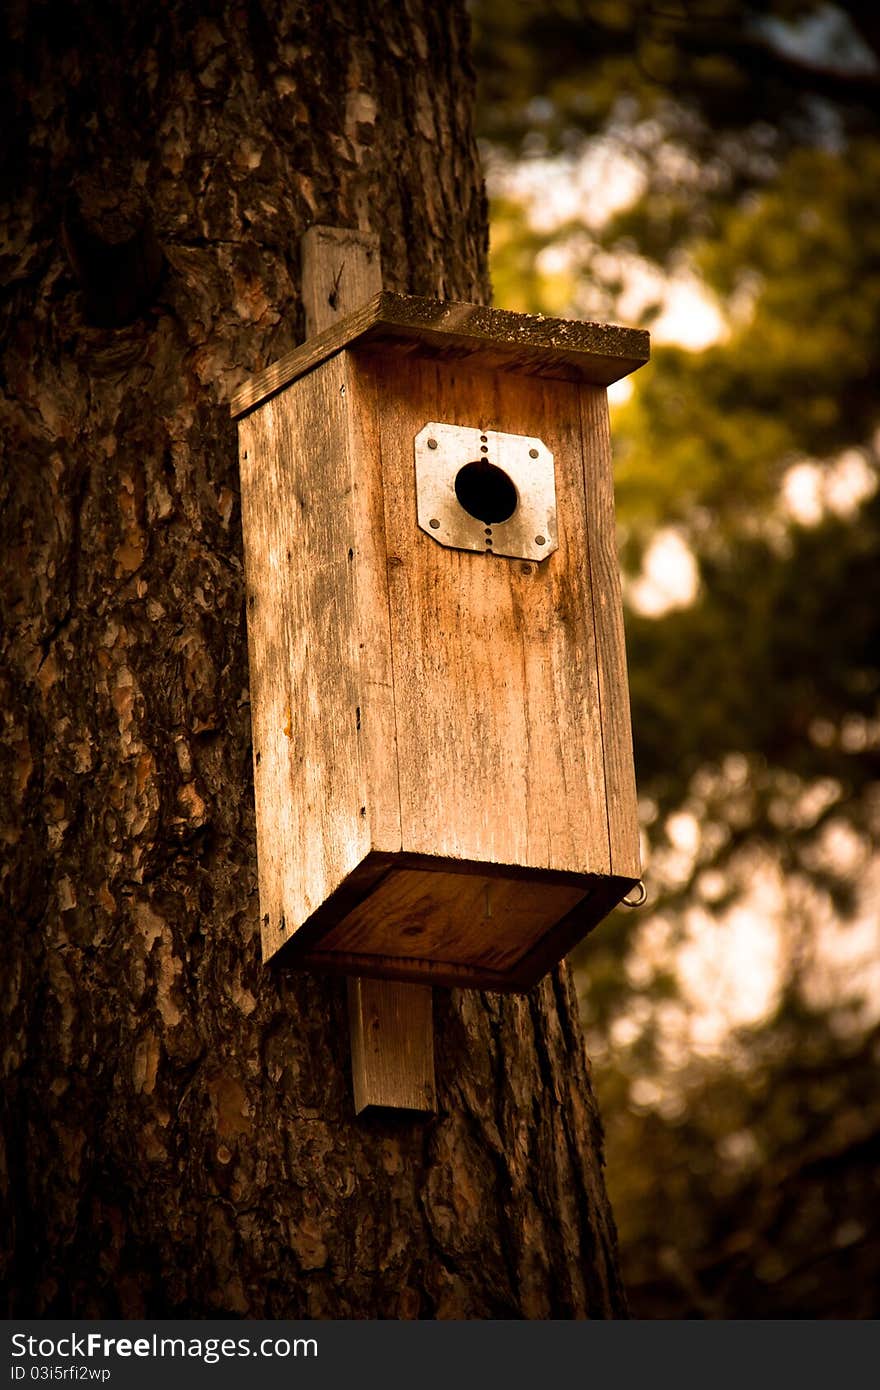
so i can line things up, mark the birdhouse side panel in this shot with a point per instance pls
(300, 532)
(620, 781)
(496, 682)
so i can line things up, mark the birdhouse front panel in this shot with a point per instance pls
(496, 687)
(442, 754)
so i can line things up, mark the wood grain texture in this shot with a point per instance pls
(375, 720)
(595, 898)
(620, 783)
(392, 1045)
(299, 529)
(555, 349)
(341, 271)
(462, 919)
(336, 940)
(495, 666)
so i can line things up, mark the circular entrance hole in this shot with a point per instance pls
(485, 491)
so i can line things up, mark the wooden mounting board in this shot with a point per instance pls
(392, 1045)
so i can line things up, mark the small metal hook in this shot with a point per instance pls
(640, 887)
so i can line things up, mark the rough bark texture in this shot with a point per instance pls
(179, 1128)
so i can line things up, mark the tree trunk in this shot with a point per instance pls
(180, 1132)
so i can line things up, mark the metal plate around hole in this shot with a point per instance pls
(529, 534)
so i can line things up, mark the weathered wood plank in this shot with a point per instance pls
(392, 1045)
(556, 349)
(299, 526)
(495, 666)
(341, 271)
(620, 785)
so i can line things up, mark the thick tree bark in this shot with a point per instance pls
(179, 1128)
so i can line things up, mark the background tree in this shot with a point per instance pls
(179, 1135)
(731, 150)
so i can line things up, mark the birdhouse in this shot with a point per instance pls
(443, 760)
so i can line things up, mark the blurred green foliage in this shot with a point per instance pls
(744, 1162)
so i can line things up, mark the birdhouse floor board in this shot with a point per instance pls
(468, 919)
(483, 926)
(545, 952)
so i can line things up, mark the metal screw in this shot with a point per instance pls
(533, 453)
(540, 540)
(432, 444)
(434, 523)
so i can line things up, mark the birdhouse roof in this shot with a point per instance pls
(490, 339)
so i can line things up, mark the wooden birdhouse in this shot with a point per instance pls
(442, 751)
